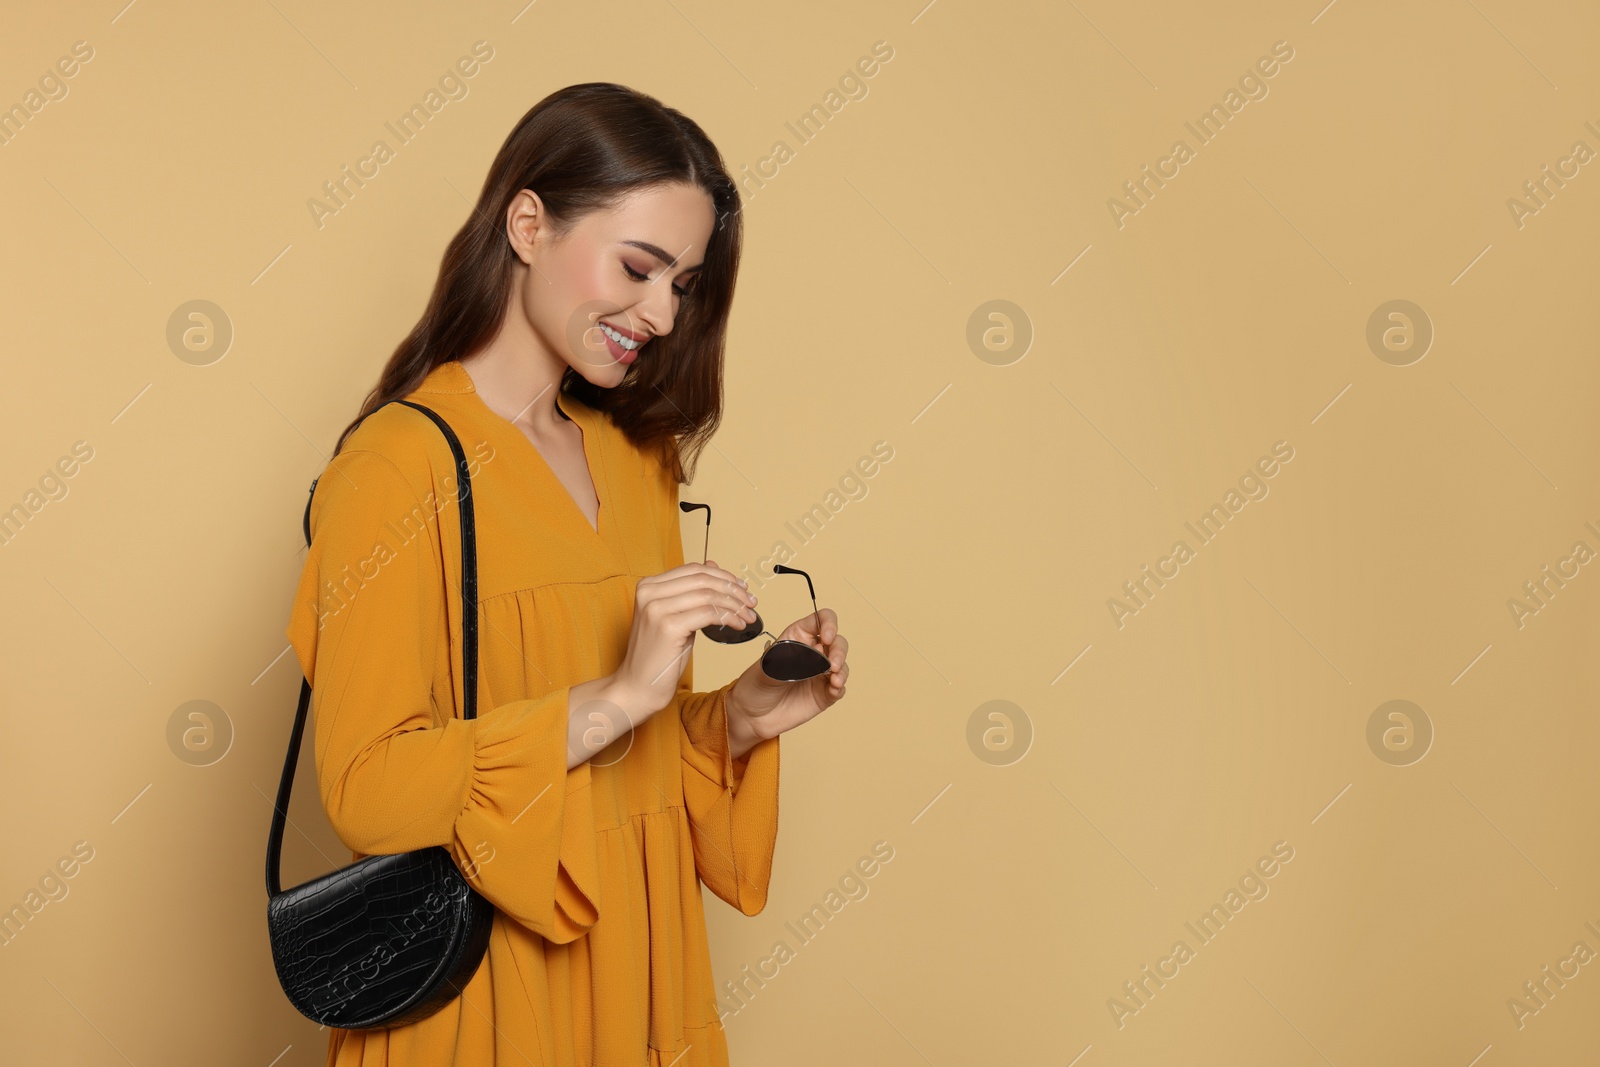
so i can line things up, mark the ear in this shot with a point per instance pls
(525, 219)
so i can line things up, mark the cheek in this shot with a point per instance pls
(555, 295)
(585, 270)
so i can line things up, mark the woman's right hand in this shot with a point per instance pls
(668, 609)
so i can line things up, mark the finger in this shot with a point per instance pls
(709, 606)
(805, 635)
(694, 568)
(821, 624)
(835, 647)
(692, 576)
(830, 625)
(838, 650)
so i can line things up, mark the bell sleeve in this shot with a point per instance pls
(366, 624)
(732, 804)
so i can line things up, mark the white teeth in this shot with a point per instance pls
(625, 342)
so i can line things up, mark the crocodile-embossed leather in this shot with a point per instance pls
(387, 940)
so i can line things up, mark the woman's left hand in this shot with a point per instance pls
(760, 707)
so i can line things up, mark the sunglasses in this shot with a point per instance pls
(783, 660)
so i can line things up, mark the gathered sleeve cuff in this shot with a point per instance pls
(525, 834)
(732, 804)
(397, 768)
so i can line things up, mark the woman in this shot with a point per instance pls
(574, 343)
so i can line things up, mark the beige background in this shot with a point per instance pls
(1229, 313)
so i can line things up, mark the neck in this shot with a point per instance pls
(518, 384)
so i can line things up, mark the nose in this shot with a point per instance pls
(655, 308)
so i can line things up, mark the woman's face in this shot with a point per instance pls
(597, 296)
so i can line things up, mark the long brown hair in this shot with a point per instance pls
(582, 149)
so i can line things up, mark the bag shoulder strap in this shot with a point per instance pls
(469, 640)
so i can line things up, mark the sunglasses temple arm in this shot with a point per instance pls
(815, 611)
(705, 549)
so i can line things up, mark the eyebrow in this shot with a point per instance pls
(661, 254)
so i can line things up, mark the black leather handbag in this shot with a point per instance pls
(392, 939)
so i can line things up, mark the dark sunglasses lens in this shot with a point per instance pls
(733, 635)
(792, 661)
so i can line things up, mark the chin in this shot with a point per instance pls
(608, 377)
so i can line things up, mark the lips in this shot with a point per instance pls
(618, 353)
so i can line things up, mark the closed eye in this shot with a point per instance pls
(636, 276)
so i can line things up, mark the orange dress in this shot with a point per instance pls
(598, 955)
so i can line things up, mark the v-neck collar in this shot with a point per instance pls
(581, 414)
(591, 462)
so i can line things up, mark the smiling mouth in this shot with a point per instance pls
(621, 348)
(626, 339)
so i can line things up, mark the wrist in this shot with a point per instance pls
(742, 734)
(636, 705)
(598, 712)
